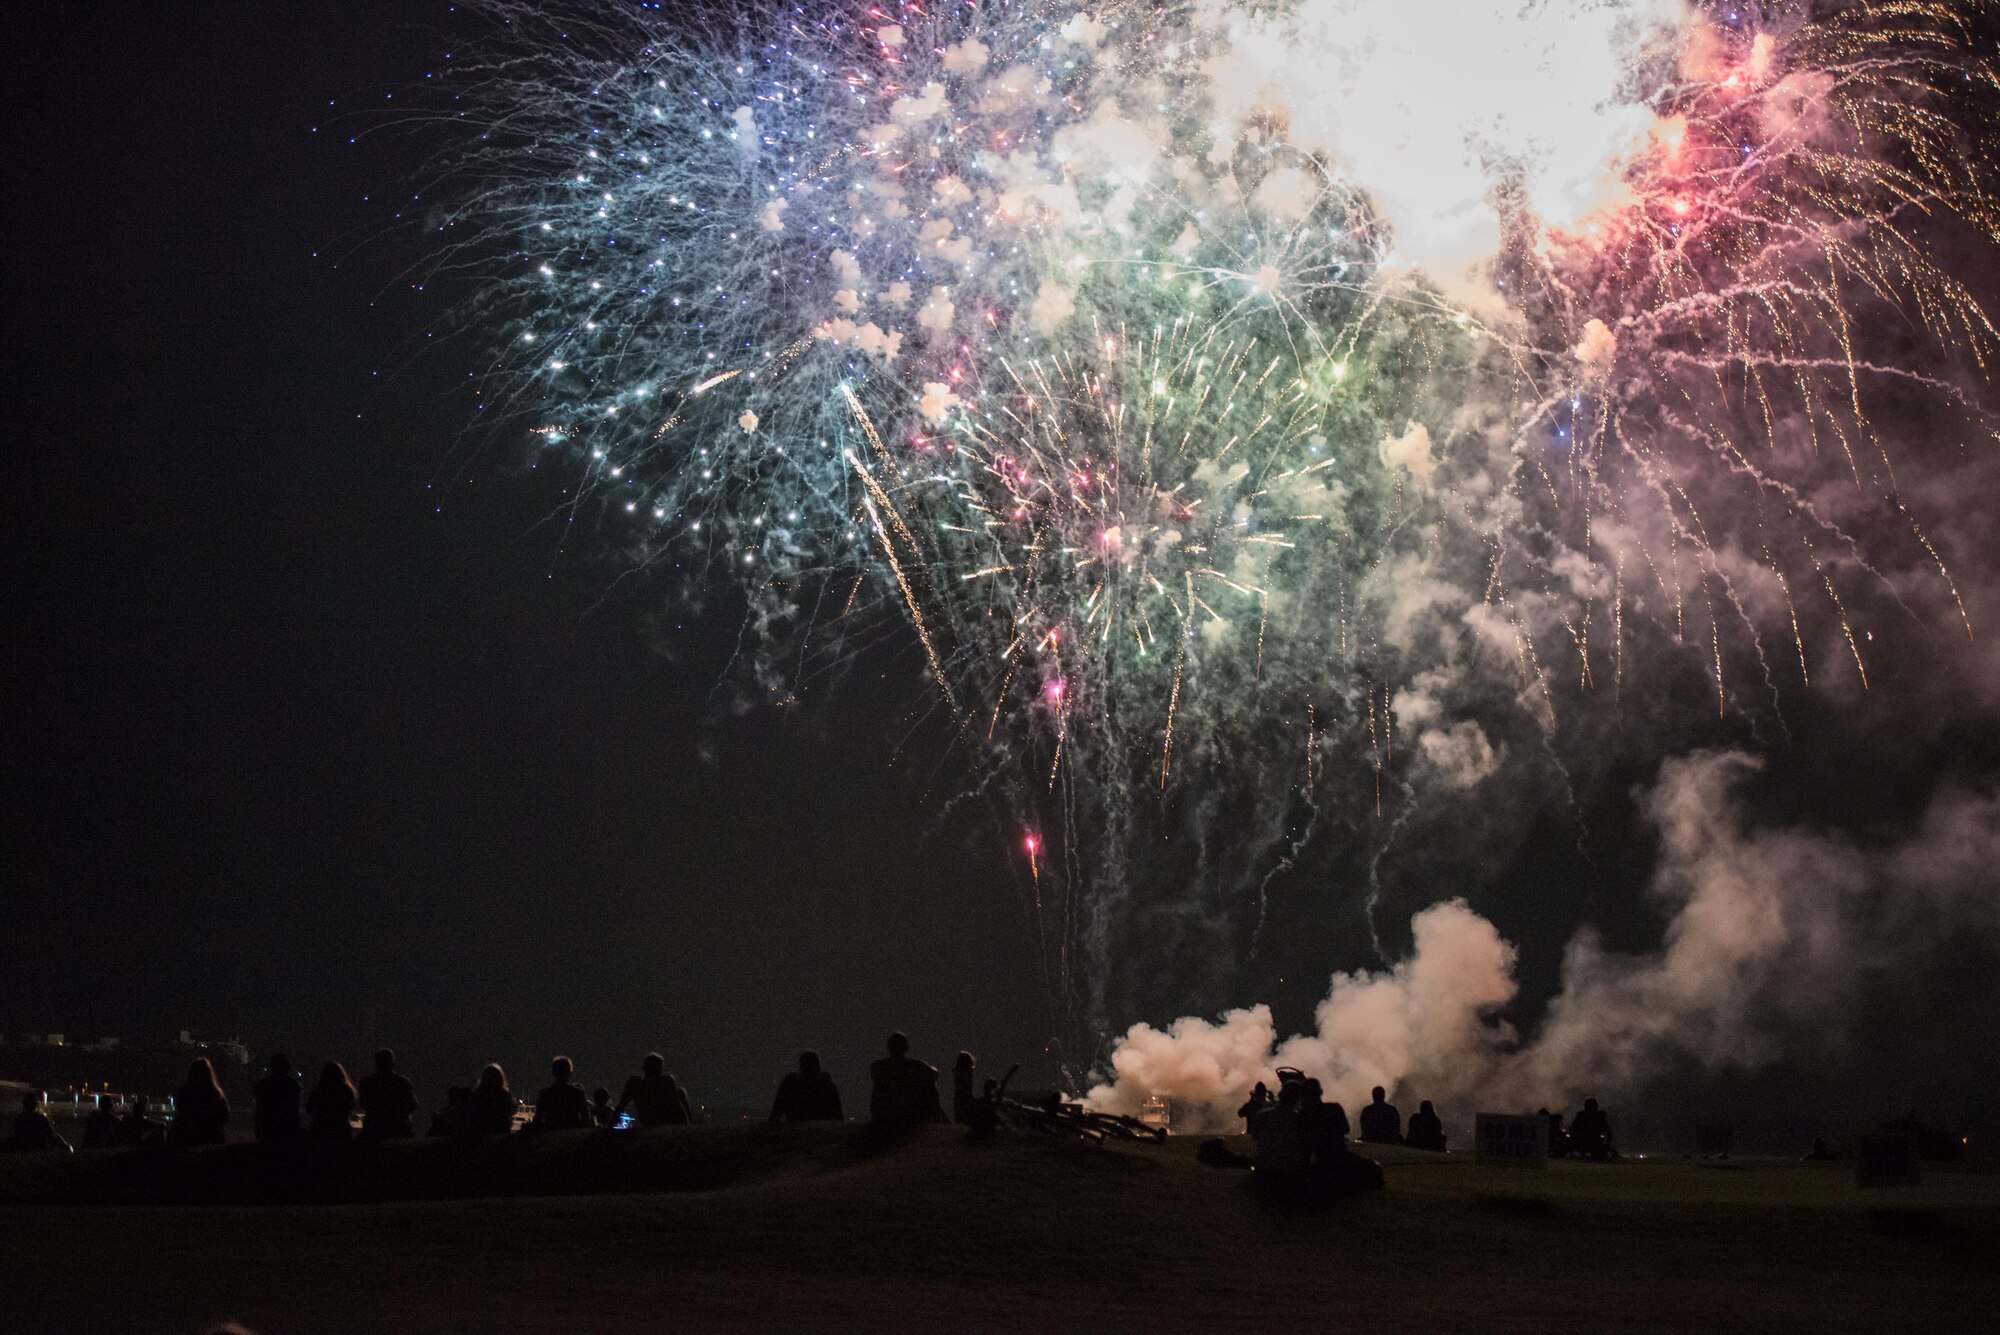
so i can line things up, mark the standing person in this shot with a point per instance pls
(904, 1090)
(562, 1106)
(807, 1094)
(201, 1110)
(331, 1106)
(276, 1117)
(388, 1101)
(655, 1097)
(1260, 1098)
(963, 1100)
(492, 1104)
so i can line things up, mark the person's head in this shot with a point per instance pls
(1260, 1089)
(964, 1062)
(385, 1060)
(137, 1107)
(808, 1063)
(493, 1079)
(280, 1064)
(560, 1070)
(1291, 1092)
(600, 1096)
(202, 1076)
(1379, 1093)
(654, 1065)
(333, 1075)
(1590, 1105)
(1426, 1109)
(899, 1045)
(1313, 1092)
(992, 1087)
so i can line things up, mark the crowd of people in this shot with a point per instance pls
(1298, 1133)
(383, 1105)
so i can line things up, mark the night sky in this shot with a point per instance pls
(314, 737)
(320, 733)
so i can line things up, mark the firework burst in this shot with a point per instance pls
(1218, 394)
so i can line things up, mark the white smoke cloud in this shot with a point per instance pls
(937, 401)
(966, 57)
(1766, 928)
(1411, 453)
(1459, 756)
(1595, 350)
(937, 311)
(1053, 304)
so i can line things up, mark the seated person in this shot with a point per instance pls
(655, 1098)
(562, 1105)
(1558, 1138)
(807, 1094)
(1590, 1133)
(600, 1108)
(278, 1096)
(138, 1131)
(33, 1131)
(492, 1107)
(100, 1129)
(1282, 1151)
(1381, 1124)
(455, 1118)
(1426, 1129)
(904, 1090)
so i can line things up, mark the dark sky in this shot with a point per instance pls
(304, 747)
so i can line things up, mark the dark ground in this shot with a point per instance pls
(819, 1228)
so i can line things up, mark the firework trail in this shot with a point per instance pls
(1191, 380)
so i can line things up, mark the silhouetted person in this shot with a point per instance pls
(1819, 1150)
(1324, 1126)
(655, 1097)
(985, 1122)
(492, 1103)
(138, 1131)
(33, 1131)
(200, 1109)
(100, 1129)
(962, 1095)
(1281, 1140)
(1426, 1131)
(600, 1107)
(807, 1094)
(562, 1105)
(1590, 1132)
(276, 1116)
(1260, 1098)
(455, 1118)
(331, 1106)
(1558, 1138)
(388, 1101)
(904, 1090)
(1381, 1124)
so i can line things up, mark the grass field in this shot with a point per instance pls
(822, 1228)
